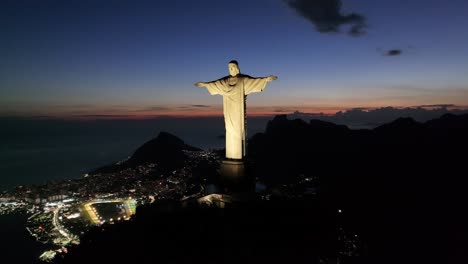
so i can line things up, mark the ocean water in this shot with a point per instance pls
(16, 245)
(37, 151)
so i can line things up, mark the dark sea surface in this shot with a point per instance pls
(37, 151)
(16, 245)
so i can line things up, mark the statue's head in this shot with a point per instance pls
(233, 68)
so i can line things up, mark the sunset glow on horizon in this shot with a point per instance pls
(140, 60)
(204, 112)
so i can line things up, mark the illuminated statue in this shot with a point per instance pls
(234, 89)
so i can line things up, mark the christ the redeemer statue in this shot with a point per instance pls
(234, 89)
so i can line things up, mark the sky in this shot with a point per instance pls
(138, 59)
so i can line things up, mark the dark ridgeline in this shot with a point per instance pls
(400, 186)
(165, 149)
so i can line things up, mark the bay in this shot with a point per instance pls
(16, 244)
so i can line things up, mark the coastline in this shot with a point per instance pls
(18, 246)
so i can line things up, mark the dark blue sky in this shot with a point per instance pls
(83, 58)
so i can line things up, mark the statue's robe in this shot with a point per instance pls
(234, 91)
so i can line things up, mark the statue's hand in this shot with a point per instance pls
(200, 84)
(272, 78)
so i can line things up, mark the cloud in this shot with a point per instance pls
(179, 108)
(104, 116)
(393, 52)
(327, 17)
(152, 108)
(193, 107)
(436, 106)
(281, 110)
(73, 106)
(360, 109)
(374, 117)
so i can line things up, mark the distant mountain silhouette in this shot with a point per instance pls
(297, 144)
(449, 121)
(319, 124)
(166, 150)
(371, 118)
(401, 124)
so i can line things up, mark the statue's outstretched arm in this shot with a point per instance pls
(205, 84)
(272, 78)
(200, 84)
(213, 87)
(268, 78)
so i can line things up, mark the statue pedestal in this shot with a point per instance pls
(234, 176)
(232, 169)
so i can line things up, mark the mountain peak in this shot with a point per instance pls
(161, 148)
(449, 121)
(166, 150)
(400, 123)
(320, 124)
(168, 138)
